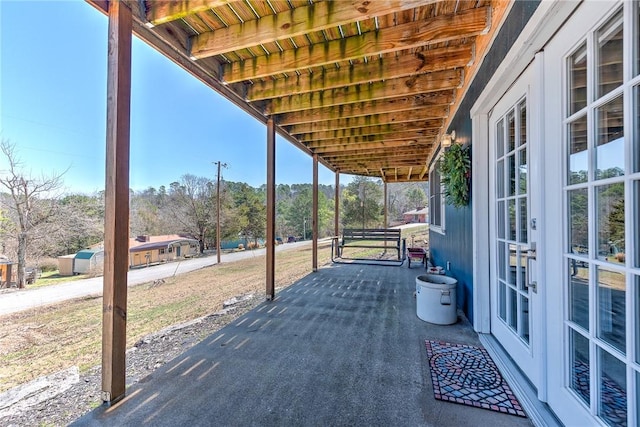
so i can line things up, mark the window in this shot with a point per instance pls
(601, 199)
(162, 251)
(436, 199)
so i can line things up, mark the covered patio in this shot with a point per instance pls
(385, 89)
(342, 346)
(365, 88)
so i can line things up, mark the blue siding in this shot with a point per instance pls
(456, 245)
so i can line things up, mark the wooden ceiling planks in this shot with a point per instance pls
(370, 86)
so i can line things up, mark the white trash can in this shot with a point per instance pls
(436, 299)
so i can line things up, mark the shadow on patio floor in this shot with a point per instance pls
(342, 346)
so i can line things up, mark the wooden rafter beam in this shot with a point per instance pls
(355, 170)
(437, 103)
(406, 86)
(422, 125)
(404, 180)
(419, 136)
(406, 36)
(425, 169)
(293, 23)
(377, 164)
(385, 68)
(387, 152)
(358, 122)
(367, 157)
(373, 146)
(163, 11)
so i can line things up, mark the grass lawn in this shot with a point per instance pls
(53, 278)
(45, 340)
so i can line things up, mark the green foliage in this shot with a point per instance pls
(610, 217)
(300, 209)
(579, 214)
(362, 203)
(455, 167)
(251, 210)
(416, 197)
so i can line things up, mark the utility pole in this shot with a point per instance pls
(218, 210)
(304, 228)
(362, 193)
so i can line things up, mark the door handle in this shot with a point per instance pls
(531, 256)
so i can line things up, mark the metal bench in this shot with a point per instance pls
(385, 239)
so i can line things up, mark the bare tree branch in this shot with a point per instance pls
(32, 201)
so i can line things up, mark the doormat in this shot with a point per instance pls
(465, 374)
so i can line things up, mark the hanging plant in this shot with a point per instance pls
(455, 168)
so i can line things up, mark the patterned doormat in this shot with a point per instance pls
(465, 374)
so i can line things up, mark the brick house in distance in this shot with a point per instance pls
(420, 214)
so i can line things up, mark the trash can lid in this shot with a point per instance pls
(436, 281)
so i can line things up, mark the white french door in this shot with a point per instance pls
(593, 250)
(513, 212)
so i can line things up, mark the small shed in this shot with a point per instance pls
(65, 265)
(88, 260)
(8, 270)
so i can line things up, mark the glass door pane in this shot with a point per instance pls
(609, 39)
(611, 308)
(610, 222)
(602, 199)
(579, 354)
(612, 405)
(610, 141)
(512, 220)
(578, 80)
(578, 155)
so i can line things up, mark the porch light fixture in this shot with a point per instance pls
(448, 139)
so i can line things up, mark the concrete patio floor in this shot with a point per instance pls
(341, 347)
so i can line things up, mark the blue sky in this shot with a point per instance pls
(53, 108)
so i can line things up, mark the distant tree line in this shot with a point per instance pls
(189, 206)
(37, 220)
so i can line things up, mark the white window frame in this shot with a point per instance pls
(438, 228)
(629, 356)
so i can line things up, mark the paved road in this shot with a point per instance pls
(16, 301)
